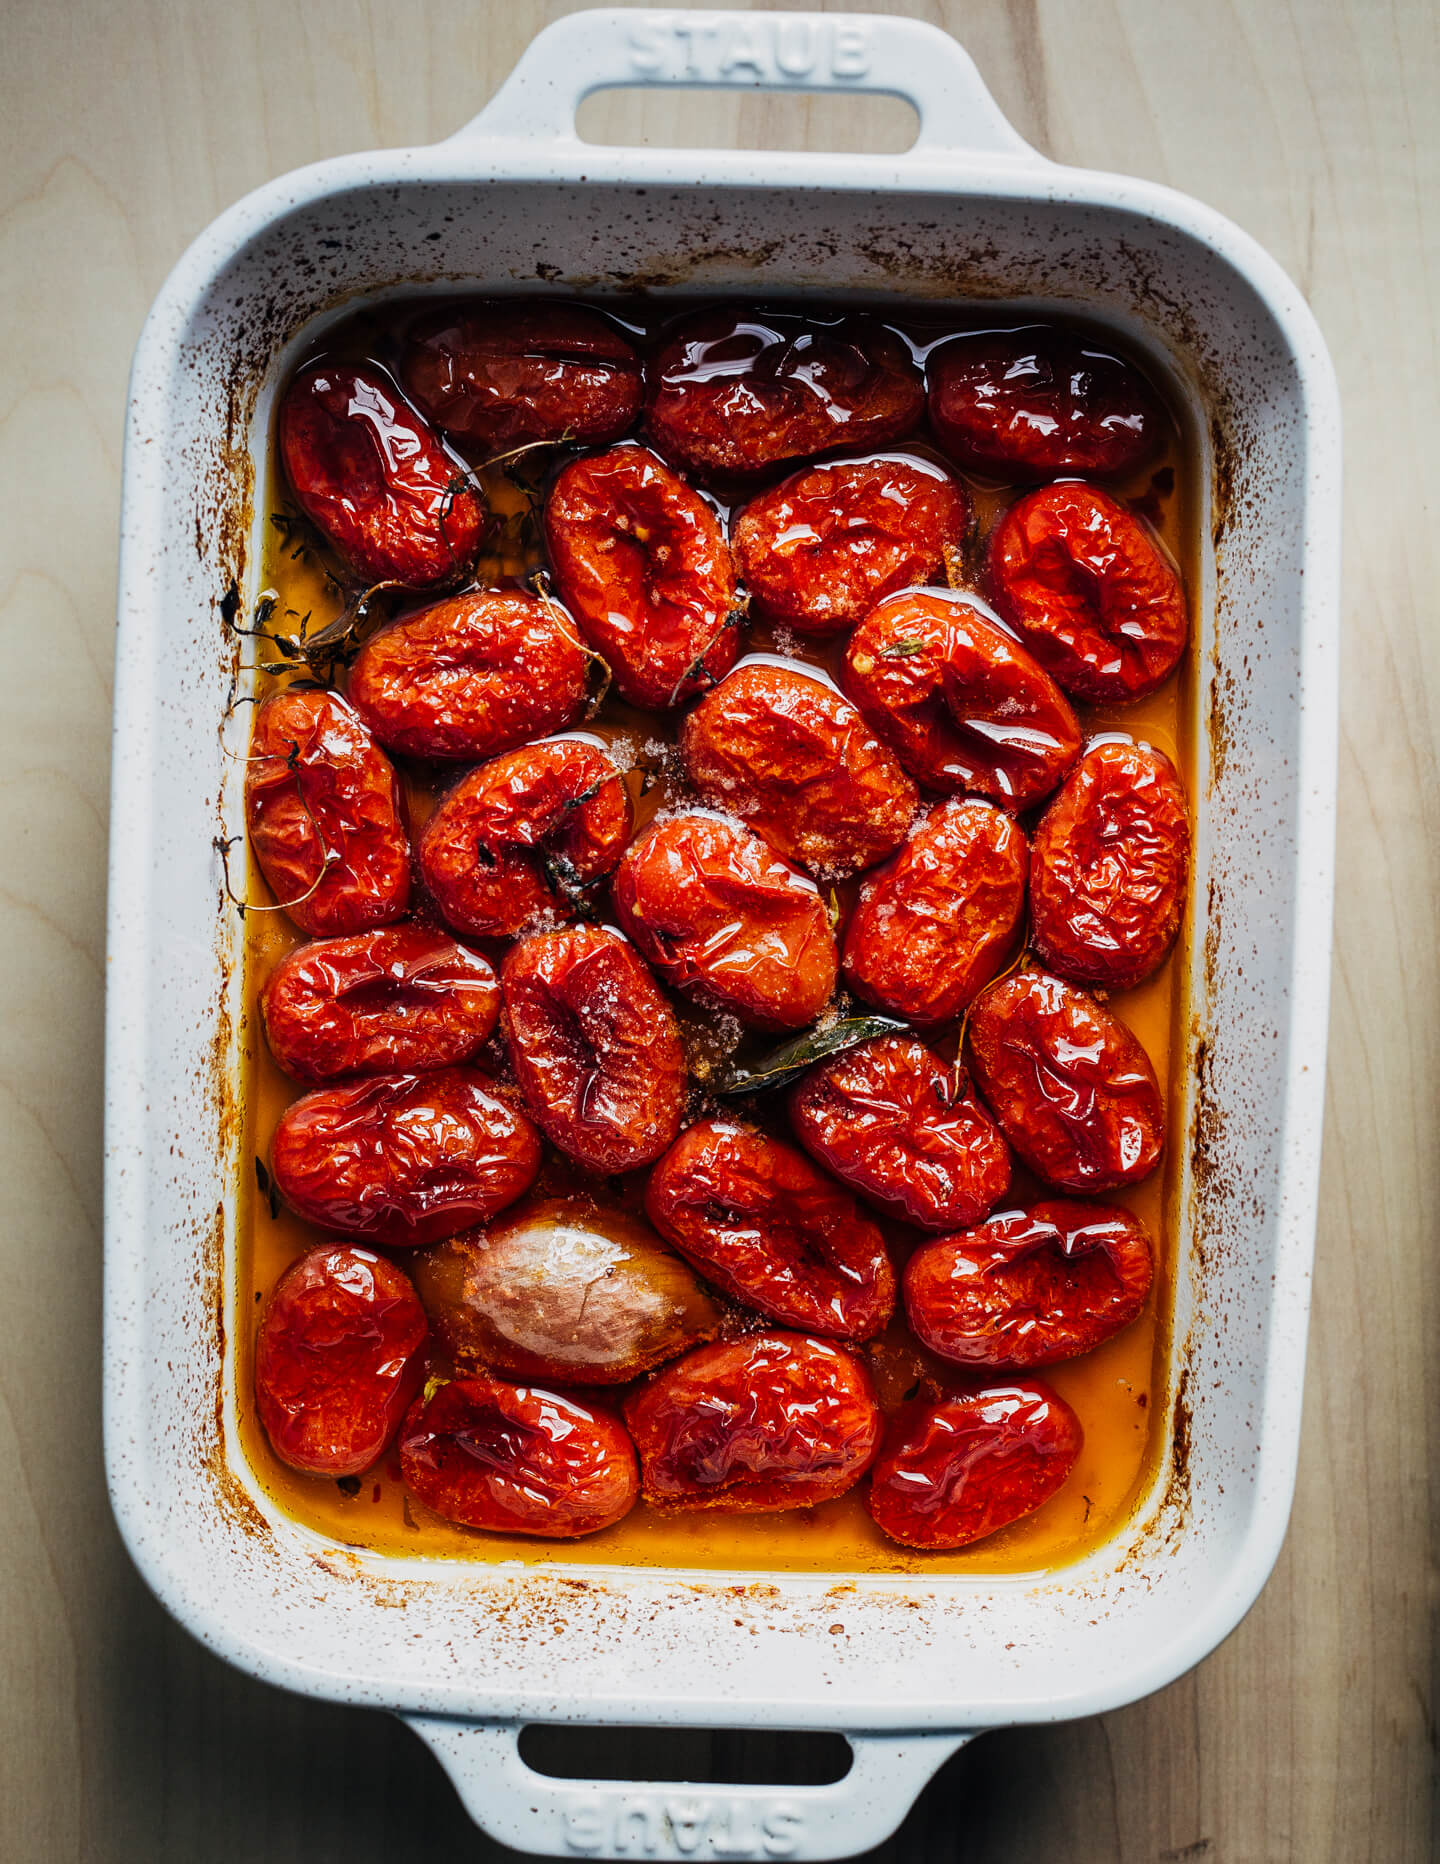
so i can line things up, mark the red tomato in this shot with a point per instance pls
(768, 1422)
(1094, 597)
(406, 998)
(339, 1357)
(403, 1159)
(520, 843)
(375, 477)
(757, 1219)
(956, 1471)
(322, 804)
(893, 1122)
(722, 918)
(512, 1459)
(961, 705)
(1108, 867)
(935, 924)
(1070, 1087)
(595, 1047)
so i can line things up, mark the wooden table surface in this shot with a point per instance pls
(126, 125)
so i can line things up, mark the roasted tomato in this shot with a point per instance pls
(1097, 601)
(1071, 1088)
(374, 476)
(768, 1422)
(937, 922)
(785, 751)
(402, 999)
(595, 1047)
(516, 1460)
(962, 705)
(1108, 867)
(642, 560)
(322, 804)
(473, 676)
(339, 1357)
(1030, 1287)
(1038, 403)
(403, 1159)
(893, 1122)
(757, 1219)
(566, 1289)
(820, 549)
(733, 394)
(502, 375)
(724, 919)
(956, 1471)
(521, 843)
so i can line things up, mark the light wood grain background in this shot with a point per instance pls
(125, 125)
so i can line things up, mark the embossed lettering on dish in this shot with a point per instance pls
(657, 1825)
(731, 47)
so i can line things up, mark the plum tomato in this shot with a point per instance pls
(472, 677)
(339, 1358)
(768, 1422)
(821, 548)
(724, 919)
(322, 804)
(404, 999)
(961, 704)
(404, 1159)
(735, 394)
(513, 1459)
(563, 1288)
(791, 756)
(372, 474)
(595, 1047)
(953, 1472)
(520, 843)
(939, 921)
(1068, 1084)
(757, 1219)
(503, 375)
(1108, 867)
(890, 1120)
(1090, 592)
(1030, 1287)
(1038, 404)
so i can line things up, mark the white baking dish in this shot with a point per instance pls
(906, 1667)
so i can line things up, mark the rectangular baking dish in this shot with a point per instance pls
(906, 1667)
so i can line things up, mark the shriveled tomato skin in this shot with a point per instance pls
(404, 1159)
(760, 1222)
(769, 1422)
(732, 394)
(505, 374)
(1090, 592)
(405, 998)
(794, 759)
(821, 548)
(516, 1459)
(520, 843)
(892, 1122)
(322, 804)
(595, 1047)
(934, 925)
(641, 559)
(723, 918)
(961, 704)
(373, 475)
(1068, 1084)
(1038, 403)
(953, 1472)
(1108, 867)
(339, 1357)
(471, 677)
